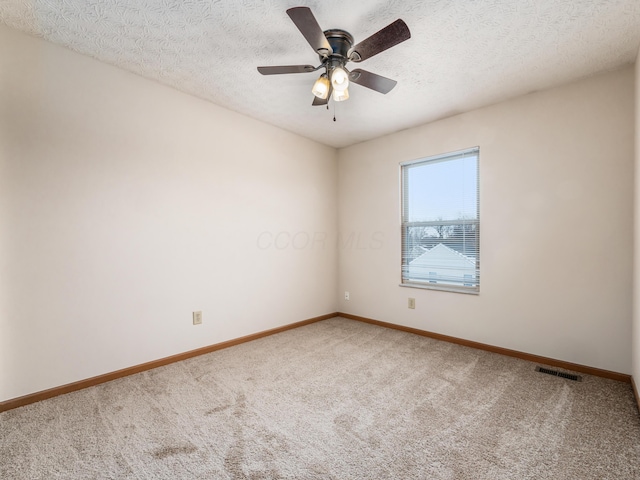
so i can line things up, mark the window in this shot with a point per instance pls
(441, 222)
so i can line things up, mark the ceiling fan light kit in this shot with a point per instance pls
(335, 48)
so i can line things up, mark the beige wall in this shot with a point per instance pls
(126, 205)
(556, 171)
(636, 289)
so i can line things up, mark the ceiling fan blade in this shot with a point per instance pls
(380, 41)
(308, 26)
(286, 69)
(371, 80)
(319, 101)
(322, 101)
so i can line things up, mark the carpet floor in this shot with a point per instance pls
(337, 399)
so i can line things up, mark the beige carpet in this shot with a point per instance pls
(337, 399)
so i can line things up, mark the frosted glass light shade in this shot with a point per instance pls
(339, 79)
(339, 96)
(321, 87)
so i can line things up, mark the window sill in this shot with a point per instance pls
(441, 288)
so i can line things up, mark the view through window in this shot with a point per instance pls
(441, 222)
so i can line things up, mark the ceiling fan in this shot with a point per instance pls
(335, 48)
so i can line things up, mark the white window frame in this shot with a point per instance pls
(461, 284)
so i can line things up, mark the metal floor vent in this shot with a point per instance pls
(555, 373)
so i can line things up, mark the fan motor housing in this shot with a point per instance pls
(340, 41)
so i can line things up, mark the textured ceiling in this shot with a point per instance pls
(463, 54)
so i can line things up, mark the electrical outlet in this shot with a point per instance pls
(412, 303)
(346, 296)
(197, 318)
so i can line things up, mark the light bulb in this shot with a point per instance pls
(339, 79)
(321, 87)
